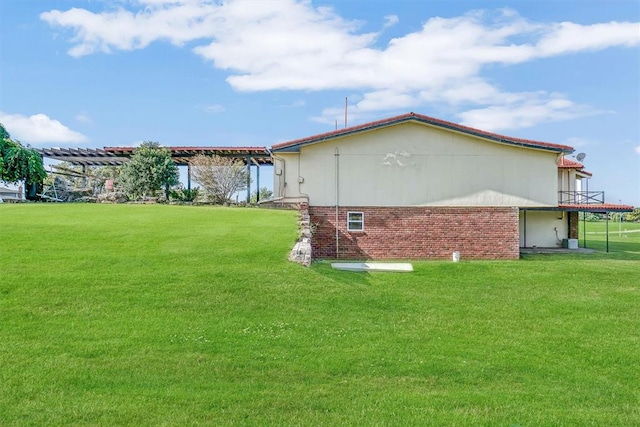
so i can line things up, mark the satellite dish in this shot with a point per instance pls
(580, 157)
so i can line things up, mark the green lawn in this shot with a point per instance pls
(624, 237)
(174, 315)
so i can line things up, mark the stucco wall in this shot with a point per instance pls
(413, 164)
(417, 233)
(541, 228)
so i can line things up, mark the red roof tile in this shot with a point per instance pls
(572, 164)
(603, 207)
(429, 120)
(569, 164)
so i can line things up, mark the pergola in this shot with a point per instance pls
(588, 206)
(115, 156)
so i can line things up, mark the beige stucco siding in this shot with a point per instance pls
(413, 164)
(567, 180)
(544, 229)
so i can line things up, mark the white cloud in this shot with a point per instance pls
(214, 109)
(441, 62)
(391, 20)
(83, 118)
(175, 21)
(525, 113)
(295, 104)
(638, 149)
(578, 142)
(39, 129)
(568, 37)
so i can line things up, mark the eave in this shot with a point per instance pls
(295, 145)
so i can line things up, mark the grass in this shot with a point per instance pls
(174, 315)
(624, 237)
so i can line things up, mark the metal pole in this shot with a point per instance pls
(337, 201)
(524, 229)
(189, 176)
(248, 159)
(346, 106)
(607, 229)
(620, 223)
(584, 229)
(258, 183)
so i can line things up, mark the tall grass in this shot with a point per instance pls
(168, 315)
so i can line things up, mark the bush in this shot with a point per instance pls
(184, 194)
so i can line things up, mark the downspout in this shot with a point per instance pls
(281, 187)
(300, 180)
(337, 155)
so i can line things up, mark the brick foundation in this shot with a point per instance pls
(417, 233)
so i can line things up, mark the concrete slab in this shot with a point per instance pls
(373, 266)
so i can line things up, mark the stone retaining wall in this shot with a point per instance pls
(302, 251)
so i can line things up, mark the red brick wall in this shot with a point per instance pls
(417, 233)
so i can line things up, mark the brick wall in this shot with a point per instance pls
(417, 233)
(573, 225)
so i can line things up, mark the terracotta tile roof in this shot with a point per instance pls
(603, 207)
(428, 120)
(572, 164)
(569, 164)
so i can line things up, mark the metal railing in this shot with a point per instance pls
(580, 197)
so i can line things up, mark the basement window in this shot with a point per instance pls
(355, 221)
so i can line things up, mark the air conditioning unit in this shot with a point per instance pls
(570, 243)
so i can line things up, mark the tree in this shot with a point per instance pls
(92, 177)
(19, 163)
(633, 216)
(220, 177)
(265, 194)
(149, 170)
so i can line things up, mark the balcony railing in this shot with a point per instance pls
(580, 197)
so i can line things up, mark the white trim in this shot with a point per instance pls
(350, 221)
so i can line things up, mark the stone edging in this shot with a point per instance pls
(301, 252)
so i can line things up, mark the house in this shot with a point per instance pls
(416, 187)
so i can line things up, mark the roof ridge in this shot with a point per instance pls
(429, 120)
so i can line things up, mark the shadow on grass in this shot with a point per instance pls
(344, 277)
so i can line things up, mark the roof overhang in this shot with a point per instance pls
(295, 145)
(83, 156)
(594, 208)
(182, 155)
(115, 156)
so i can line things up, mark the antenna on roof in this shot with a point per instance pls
(580, 157)
(346, 103)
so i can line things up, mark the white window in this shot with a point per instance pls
(355, 221)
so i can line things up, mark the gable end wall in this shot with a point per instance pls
(418, 233)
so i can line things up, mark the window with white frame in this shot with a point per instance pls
(355, 221)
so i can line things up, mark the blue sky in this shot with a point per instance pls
(93, 73)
